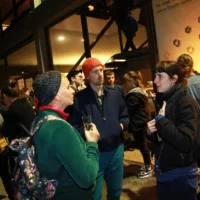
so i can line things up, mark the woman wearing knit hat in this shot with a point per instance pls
(59, 144)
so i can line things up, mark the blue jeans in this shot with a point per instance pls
(111, 168)
(179, 188)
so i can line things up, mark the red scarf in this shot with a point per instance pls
(65, 115)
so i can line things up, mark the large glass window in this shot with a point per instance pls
(22, 65)
(108, 45)
(66, 43)
(67, 40)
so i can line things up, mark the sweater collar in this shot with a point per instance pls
(62, 113)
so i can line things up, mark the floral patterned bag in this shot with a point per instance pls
(26, 179)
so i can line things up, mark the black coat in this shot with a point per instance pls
(178, 130)
(107, 119)
(22, 112)
(137, 110)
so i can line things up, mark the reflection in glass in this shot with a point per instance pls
(22, 65)
(66, 43)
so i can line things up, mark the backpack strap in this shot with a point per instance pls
(24, 129)
(43, 121)
(38, 126)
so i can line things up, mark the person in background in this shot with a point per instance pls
(76, 80)
(109, 80)
(25, 92)
(125, 21)
(58, 144)
(4, 160)
(193, 77)
(19, 111)
(108, 111)
(77, 83)
(176, 128)
(136, 100)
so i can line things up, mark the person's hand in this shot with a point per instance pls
(162, 110)
(151, 127)
(92, 135)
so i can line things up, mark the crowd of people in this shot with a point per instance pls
(90, 155)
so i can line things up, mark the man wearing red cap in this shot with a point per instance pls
(109, 113)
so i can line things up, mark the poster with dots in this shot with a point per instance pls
(177, 24)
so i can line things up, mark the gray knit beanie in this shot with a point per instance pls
(46, 86)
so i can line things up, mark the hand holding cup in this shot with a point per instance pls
(92, 135)
(87, 120)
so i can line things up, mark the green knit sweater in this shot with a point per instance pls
(57, 142)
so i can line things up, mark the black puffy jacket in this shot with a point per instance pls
(178, 130)
(136, 101)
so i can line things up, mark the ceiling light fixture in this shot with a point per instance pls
(91, 8)
(61, 38)
(120, 60)
(4, 26)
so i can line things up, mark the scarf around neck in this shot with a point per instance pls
(177, 89)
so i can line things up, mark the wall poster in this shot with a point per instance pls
(177, 24)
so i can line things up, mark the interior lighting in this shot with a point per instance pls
(91, 8)
(61, 38)
(120, 60)
(4, 26)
